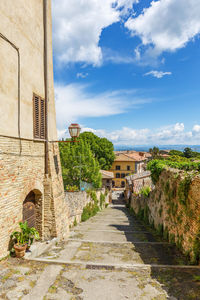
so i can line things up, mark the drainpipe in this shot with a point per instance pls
(18, 78)
(45, 20)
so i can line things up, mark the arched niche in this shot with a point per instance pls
(32, 210)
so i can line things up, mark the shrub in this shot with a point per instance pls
(102, 200)
(156, 166)
(72, 188)
(89, 211)
(145, 191)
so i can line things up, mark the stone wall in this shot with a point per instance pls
(174, 209)
(76, 201)
(22, 171)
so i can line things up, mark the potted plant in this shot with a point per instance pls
(24, 238)
(20, 243)
(33, 234)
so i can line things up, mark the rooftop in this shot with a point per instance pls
(107, 174)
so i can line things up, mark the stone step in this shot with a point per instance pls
(100, 266)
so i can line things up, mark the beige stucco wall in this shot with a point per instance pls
(22, 23)
(22, 161)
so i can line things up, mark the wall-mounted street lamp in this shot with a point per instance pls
(74, 131)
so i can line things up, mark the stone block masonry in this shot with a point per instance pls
(174, 209)
(22, 172)
(76, 201)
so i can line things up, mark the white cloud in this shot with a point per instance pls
(81, 75)
(196, 128)
(167, 25)
(157, 74)
(168, 135)
(110, 55)
(77, 27)
(74, 102)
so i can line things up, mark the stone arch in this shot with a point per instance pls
(32, 210)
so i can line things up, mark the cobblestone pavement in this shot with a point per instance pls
(112, 256)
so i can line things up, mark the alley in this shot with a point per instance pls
(110, 256)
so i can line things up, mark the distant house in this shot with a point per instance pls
(126, 164)
(107, 178)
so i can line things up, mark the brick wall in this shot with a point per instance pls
(168, 209)
(22, 171)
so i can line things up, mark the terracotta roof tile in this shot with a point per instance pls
(106, 174)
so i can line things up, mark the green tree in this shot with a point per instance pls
(187, 152)
(176, 152)
(154, 152)
(102, 149)
(78, 162)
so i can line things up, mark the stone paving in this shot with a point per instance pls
(112, 256)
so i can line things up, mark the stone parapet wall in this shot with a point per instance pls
(76, 201)
(140, 183)
(174, 208)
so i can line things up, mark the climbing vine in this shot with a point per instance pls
(183, 190)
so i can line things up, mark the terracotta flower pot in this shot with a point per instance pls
(20, 250)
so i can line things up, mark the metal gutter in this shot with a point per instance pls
(46, 80)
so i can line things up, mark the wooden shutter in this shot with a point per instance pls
(39, 117)
(42, 118)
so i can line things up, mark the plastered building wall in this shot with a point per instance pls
(22, 160)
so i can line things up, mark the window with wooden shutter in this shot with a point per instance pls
(39, 116)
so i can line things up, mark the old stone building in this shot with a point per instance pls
(31, 186)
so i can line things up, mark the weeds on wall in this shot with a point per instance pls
(176, 194)
(196, 248)
(89, 211)
(145, 191)
(92, 208)
(102, 200)
(183, 189)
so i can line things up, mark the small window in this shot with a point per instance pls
(55, 157)
(123, 184)
(117, 167)
(117, 175)
(39, 117)
(108, 181)
(123, 175)
(128, 168)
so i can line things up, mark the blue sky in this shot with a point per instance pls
(128, 69)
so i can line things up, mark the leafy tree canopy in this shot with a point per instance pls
(154, 151)
(78, 162)
(176, 152)
(188, 152)
(102, 149)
